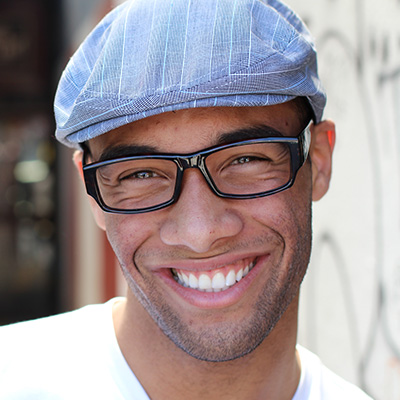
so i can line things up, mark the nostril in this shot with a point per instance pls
(198, 229)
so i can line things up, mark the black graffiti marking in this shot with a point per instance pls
(364, 52)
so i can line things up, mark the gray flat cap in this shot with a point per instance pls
(147, 57)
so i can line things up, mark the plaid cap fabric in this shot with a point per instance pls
(147, 57)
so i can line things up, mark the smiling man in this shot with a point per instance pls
(199, 135)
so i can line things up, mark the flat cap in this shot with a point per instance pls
(147, 57)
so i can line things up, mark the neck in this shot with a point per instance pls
(271, 371)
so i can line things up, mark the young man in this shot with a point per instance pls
(193, 124)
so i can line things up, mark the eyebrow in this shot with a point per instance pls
(254, 132)
(126, 151)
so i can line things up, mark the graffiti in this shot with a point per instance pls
(352, 294)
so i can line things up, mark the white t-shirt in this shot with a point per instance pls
(76, 356)
(318, 382)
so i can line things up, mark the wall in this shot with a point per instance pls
(350, 310)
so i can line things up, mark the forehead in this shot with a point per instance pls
(190, 130)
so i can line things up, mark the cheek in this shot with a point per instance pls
(298, 216)
(126, 233)
(284, 212)
(287, 213)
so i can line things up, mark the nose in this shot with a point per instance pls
(199, 218)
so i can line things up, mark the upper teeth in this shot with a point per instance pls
(217, 283)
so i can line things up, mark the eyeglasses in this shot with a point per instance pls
(242, 170)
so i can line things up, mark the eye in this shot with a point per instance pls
(139, 175)
(247, 159)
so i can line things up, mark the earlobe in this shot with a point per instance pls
(98, 214)
(322, 144)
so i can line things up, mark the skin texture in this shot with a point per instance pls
(248, 329)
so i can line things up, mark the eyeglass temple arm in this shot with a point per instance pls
(305, 141)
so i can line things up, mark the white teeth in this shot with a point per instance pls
(193, 282)
(204, 282)
(239, 275)
(231, 278)
(185, 279)
(218, 283)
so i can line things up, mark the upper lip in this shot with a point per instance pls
(207, 264)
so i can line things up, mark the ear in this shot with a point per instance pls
(96, 210)
(323, 138)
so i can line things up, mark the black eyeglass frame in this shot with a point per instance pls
(299, 147)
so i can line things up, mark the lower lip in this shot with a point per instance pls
(213, 300)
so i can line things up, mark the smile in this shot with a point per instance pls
(216, 280)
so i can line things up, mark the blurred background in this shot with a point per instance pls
(43, 233)
(53, 258)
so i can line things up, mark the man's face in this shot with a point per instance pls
(265, 242)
